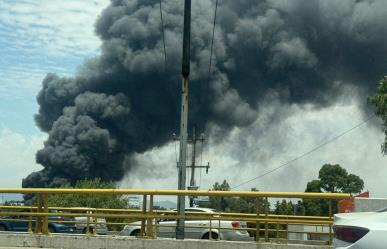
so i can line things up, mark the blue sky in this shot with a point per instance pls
(37, 37)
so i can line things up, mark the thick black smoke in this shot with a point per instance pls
(125, 101)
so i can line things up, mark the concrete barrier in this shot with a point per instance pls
(111, 242)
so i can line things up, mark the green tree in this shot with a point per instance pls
(288, 208)
(92, 201)
(220, 203)
(379, 99)
(234, 204)
(332, 179)
(284, 207)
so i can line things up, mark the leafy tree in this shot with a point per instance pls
(87, 200)
(332, 179)
(379, 99)
(284, 207)
(234, 204)
(288, 208)
(220, 203)
(91, 201)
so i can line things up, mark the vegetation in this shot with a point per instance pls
(288, 208)
(331, 179)
(379, 99)
(92, 201)
(234, 204)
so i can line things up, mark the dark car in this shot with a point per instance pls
(57, 224)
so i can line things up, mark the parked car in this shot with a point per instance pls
(166, 228)
(20, 224)
(82, 227)
(365, 230)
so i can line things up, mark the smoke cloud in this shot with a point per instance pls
(124, 101)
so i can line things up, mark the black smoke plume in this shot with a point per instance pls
(125, 101)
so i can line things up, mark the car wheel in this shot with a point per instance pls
(213, 236)
(135, 233)
(3, 228)
(51, 230)
(90, 230)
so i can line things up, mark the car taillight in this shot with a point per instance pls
(235, 224)
(59, 219)
(349, 234)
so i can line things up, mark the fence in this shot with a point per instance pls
(272, 227)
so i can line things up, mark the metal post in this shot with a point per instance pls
(38, 226)
(88, 223)
(330, 224)
(45, 209)
(257, 222)
(219, 227)
(184, 120)
(30, 221)
(149, 222)
(287, 229)
(210, 232)
(94, 230)
(266, 224)
(142, 233)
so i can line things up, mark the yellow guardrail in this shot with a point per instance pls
(38, 216)
(175, 192)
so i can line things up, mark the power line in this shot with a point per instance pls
(212, 45)
(308, 152)
(163, 36)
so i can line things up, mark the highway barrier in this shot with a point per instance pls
(262, 225)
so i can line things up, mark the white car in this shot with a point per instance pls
(366, 230)
(200, 230)
(82, 226)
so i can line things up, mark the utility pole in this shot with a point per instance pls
(192, 185)
(184, 119)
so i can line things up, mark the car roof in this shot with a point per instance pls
(199, 209)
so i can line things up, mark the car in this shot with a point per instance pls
(195, 229)
(81, 225)
(365, 230)
(56, 224)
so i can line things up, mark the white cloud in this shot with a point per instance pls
(249, 152)
(17, 156)
(53, 27)
(41, 36)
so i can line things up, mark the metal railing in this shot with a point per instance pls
(272, 227)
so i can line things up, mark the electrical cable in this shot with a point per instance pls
(176, 153)
(308, 152)
(163, 36)
(212, 48)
